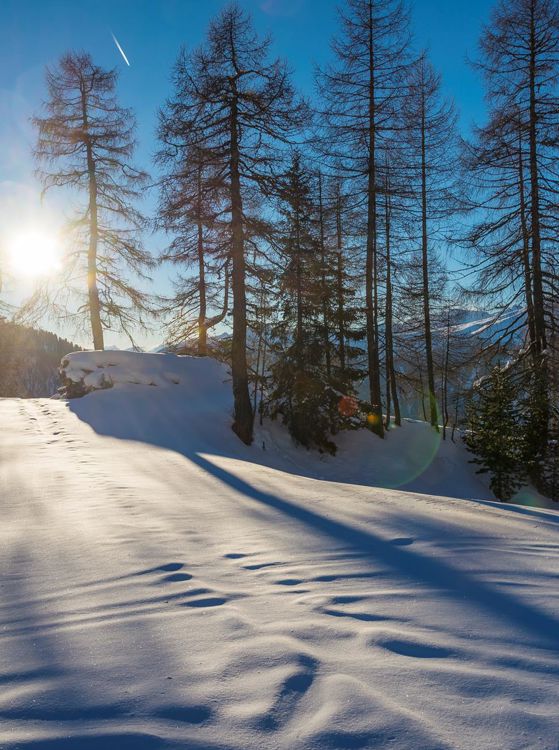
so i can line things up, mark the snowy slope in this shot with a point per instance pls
(414, 458)
(161, 587)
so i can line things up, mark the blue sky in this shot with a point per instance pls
(34, 33)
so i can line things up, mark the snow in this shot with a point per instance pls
(104, 369)
(165, 586)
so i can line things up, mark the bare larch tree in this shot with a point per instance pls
(239, 107)
(85, 145)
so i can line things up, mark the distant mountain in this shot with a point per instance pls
(484, 324)
(490, 325)
(29, 360)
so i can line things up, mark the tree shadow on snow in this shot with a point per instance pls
(120, 741)
(168, 430)
(419, 568)
(197, 429)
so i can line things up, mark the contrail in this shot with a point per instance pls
(115, 40)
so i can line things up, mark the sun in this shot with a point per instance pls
(35, 252)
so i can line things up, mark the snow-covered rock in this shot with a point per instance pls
(83, 372)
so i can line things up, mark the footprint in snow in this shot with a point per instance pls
(167, 568)
(291, 691)
(210, 601)
(403, 541)
(260, 566)
(289, 581)
(362, 616)
(414, 649)
(176, 577)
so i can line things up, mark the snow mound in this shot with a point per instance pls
(83, 372)
(190, 410)
(185, 404)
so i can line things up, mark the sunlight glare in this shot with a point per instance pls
(35, 253)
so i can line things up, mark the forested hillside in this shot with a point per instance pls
(29, 360)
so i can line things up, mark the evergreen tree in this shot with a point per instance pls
(301, 381)
(343, 291)
(85, 144)
(539, 427)
(494, 434)
(29, 361)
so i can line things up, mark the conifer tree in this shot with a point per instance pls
(344, 292)
(301, 387)
(189, 204)
(494, 435)
(430, 128)
(390, 375)
(85, 145)
(360, 92)
(539, 426)
(239, 107)
(297, 388)
(512, 164)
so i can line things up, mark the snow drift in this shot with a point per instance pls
(188, 408)
(162, 588)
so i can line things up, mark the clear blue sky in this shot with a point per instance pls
(34, 33)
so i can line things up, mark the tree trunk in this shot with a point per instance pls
(390, 370)
(92, 287)
(425, 270)
(299, 290)
(243, 416)
(202, 311)
(388, 301)
(371, 270)
(539, 314)
(323, 291)
(340, 285)
(445, 376)
(526, 249)
(259, 351)
(262, 380)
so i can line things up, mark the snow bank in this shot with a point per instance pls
(185, 404)
(83, 372)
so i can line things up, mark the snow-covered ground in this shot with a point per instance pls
(164, 586)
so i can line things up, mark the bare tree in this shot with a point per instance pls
(85, 145)
(360, 91)
(239, 107)
(430, 132)
(189, 209)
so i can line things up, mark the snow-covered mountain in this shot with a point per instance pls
(488, 325)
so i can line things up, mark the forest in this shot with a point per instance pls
(332, 249)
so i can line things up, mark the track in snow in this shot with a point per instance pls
(156, 600)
